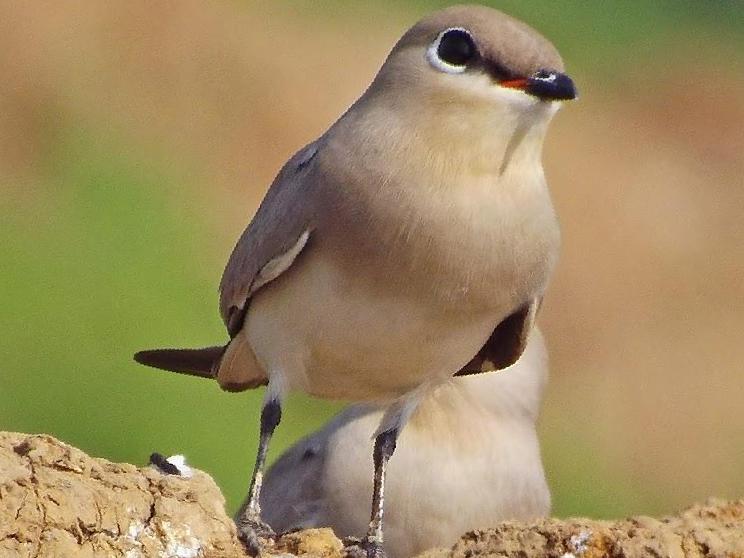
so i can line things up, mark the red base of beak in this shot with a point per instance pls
(520, 83)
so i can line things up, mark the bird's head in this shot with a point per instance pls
(464, 53)
(473, 70)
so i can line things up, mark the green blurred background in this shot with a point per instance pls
(137, 138)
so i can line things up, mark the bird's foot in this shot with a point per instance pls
(368, 547)
(254, 533)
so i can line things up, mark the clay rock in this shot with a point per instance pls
(320, 543)
(57, 501)
(714, 529)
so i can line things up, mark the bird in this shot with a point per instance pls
(411, 242)
(468, 458)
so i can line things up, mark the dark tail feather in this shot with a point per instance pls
(196, 362)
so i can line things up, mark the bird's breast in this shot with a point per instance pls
(399, 285)
(476, 241)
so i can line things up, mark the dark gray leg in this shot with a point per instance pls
(249, 523)
(384, 448)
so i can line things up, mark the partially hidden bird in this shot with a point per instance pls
(410, 243)
(468, 458)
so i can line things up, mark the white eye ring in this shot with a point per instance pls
(432, 53)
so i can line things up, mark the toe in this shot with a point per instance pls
(255, 534)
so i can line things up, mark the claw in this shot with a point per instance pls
(367, 547)
(255, 534)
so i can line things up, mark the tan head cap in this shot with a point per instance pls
(502, 41)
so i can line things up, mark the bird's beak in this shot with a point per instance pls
(546, 85)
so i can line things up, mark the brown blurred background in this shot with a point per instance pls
(137, 138)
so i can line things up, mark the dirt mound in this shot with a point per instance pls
(713, 529)
(57, 501)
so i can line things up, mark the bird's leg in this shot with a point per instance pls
(384, 448)
(391, 425)
(250, 525)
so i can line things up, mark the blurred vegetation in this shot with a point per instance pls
(112, 239)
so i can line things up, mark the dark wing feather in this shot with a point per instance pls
(506, 344)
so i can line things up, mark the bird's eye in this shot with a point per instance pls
(452, 51)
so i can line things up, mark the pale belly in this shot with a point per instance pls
(314, 335)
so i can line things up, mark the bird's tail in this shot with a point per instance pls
(195, 362)
(233, 366)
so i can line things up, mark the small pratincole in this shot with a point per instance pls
(410, 243)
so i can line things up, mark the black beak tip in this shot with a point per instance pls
(551, 86)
